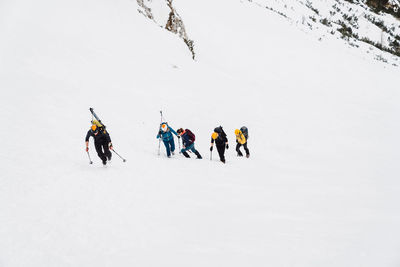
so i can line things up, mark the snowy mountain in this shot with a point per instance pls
(357, 22)
(321, 185)
(371, 26)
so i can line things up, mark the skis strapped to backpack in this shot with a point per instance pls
(97, 121)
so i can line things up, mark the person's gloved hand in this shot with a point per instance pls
(159, 132)
(179, 136)
(87, 149)
(227, 146)
(211, 148)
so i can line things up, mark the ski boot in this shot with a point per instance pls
(186, 154)
(198, 155)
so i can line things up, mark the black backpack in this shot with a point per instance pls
(218, 130)
(245, 132)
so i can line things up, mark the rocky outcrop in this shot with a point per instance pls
(175, 25)
(146, 11)
(165, 15)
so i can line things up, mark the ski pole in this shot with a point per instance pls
(118, 155)
(159, 145)
(159, 129)
(211, 155)
(90, 160)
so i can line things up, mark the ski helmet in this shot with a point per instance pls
(164, 127)
(214, 135)
(237, 132)
(94, 128)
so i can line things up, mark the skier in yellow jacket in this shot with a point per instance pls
(241, 140)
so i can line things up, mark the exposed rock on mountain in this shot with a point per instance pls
(165, 15)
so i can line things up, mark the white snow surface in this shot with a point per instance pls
(321, 187)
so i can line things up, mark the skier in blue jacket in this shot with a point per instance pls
(165, 133)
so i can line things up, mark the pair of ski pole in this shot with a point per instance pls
(91, 162)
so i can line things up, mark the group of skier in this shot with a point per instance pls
(103, 144)
(218, 137)
(188, 138)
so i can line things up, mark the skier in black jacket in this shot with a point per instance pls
(102, 142)
(221, 141)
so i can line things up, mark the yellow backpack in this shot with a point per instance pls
(99, 125)
(240, 137)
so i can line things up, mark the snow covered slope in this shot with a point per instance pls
(320, 188)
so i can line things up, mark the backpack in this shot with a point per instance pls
(97, 123)
(245, 132)
(100, 125)
(218, 130)
(191, 135)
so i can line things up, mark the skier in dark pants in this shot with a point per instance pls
(221, 141)
(165, 133)
(241, 140)
(188, 139)
(102, 142)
